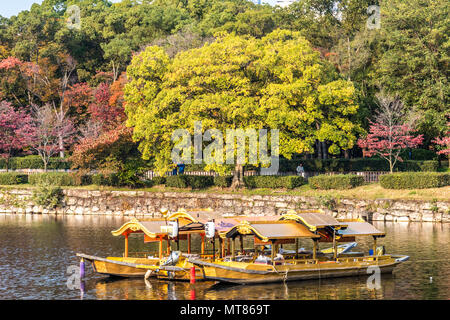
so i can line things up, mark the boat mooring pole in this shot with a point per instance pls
(241, 239)
(192, 275)
(315, 249)
(126, 245)
(374, 245)
(232, 249)
(334, 245)
(214, 248)
(82, 268)
(222, 247)
(189, 242)
(203, 244)
(272, 253)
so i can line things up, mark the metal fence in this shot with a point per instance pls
(369, 176)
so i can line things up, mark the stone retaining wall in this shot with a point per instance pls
(141, 203)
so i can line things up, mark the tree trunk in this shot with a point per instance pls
(61, 147)
(324, 149)
(347, 154)
(238, 177)
(391, 166)
(349, 59)
(319, 150)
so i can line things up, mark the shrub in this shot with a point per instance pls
(340, 181)
(289, 182)
(200, 182)
(35, 162)
(178, 181)
(47, 195)
(414, 180)
(184, 181)
(349, 165)
(430, 165)
(223, 181)
(9, 178)
(418, 154)
(105, 179)
(159, 180)
(59, 179)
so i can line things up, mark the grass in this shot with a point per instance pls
(369, 191)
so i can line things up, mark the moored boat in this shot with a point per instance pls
(259, 268)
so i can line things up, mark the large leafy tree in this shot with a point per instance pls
(15, 130)
(277, 82)
(389, 132)
(415, 59)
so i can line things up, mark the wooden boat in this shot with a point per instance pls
(258, 268)
(169, 264)
(155, 230)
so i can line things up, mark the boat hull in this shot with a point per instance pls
(241, 273)
(119, 266)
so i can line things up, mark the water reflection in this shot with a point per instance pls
(36, 251)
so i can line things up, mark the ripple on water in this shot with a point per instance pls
(37, 250)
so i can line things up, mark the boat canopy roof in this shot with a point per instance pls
(271, 230)
(360, 229)
(223, 225)
(151, 228)
(314, 220)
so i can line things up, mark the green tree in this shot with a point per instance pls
(277, 81)
(414, 62)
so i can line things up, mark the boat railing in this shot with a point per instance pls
(143, 254)
(364, 259)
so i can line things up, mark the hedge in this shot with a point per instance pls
(223, 181)
(349, 165)
(59, 179)
(158, 180)
(340, 181)
(414, 180)
(10, 178)
(102, 179)
(35, 162)
(184, 181)
(315, 165)
(289, 182)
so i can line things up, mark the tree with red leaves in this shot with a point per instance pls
(15, 130)
(50, 133)
(444, 142)
(388, 135)
(101, 110)
(106, 152)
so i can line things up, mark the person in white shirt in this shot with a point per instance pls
(300, 170)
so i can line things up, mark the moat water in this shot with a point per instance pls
(37, 252)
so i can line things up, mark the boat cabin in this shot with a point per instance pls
(271, 233)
